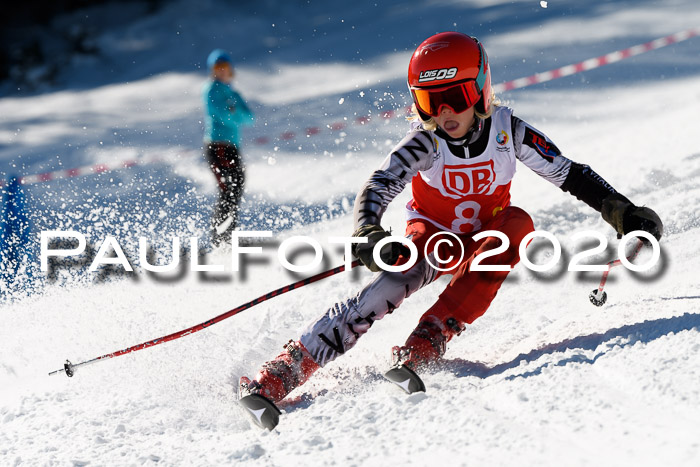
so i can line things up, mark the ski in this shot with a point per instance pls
(406, 379)
(263, 411)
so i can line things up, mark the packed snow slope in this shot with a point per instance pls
(543, 378)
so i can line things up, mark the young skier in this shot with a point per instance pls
(460, 158)
(224, 112)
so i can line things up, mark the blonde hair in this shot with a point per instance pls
(431, 125)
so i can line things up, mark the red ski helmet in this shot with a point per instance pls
(452, 69)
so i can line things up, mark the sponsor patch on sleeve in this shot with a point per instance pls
(541, 144)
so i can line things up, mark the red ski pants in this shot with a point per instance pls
(470, 293)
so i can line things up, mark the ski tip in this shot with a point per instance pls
(406, 379)
(263, 411)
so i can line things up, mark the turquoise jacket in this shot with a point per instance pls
(225, 112)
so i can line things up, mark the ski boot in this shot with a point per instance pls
(221, 232)
(426, 344)
(274, 381)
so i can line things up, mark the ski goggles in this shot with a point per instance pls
(458, 97)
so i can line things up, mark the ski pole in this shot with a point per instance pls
(598, 296)
(69, 368)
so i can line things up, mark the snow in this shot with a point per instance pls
(543, 378)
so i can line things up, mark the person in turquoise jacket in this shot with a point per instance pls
(225, 112)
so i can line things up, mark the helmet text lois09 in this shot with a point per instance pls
(450, 69)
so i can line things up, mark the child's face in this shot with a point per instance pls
(223, 72)
(455, 125)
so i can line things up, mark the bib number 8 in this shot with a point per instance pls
(460, 220)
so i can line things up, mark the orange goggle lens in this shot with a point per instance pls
(458, 98)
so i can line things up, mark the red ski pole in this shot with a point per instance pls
(69, 368)
(598, 296)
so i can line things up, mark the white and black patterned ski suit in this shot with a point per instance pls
(418, 155)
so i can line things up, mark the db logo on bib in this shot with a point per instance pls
(462, 180)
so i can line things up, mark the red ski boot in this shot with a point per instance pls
(279, 377)
(426, 344)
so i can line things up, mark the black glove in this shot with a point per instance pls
(390, 252)
(625, 217)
